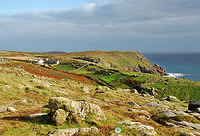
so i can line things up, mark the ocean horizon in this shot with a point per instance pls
(178, 65)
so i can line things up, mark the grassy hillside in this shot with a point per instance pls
(27, 87)
(118, 58)
(110, 70)
(182, 88)
(121, 60)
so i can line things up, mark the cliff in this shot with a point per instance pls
(121, 60)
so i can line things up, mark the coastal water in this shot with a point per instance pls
(180, 65)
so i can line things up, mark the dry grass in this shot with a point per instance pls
(41, 71)
(16, 85)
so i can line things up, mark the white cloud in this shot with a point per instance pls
(105, 20)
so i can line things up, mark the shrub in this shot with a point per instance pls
(39, 87)
(27, 89)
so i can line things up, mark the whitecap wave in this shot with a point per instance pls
(175, 75)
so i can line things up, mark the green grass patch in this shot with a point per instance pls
(64, 67)
(184, 90)
(111, 78)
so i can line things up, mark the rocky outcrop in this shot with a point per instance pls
(128, 61)
(178, 119)
(197, 110)
(171, 98)
(141, 113)
(158, 70)
(169, 114)
(132, 103)
(134, 91)
(146, 90)
(38, 115)
(143, 130)
(11, 109)
(152, 69)
(154, 105)
(104, 88)
(184, 124)
(60, 107)
(193, 105)
(60, 116)
(86, 89)
(74, 131)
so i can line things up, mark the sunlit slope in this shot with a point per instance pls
(121, 60)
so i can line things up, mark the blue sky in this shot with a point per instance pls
(81, 25)
(16, 6)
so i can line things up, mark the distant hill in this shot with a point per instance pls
(55, 52)
(121, 60)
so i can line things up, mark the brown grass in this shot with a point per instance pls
(42, 71)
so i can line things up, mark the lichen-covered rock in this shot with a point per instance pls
(99, 88)
(134, 91)
(38, 115)
(171, 98)
(60, 116)
(73, 131)
(164, 116)
(197, 110)
(167, 114)
(170, 113)
(64, 132)
(129, 123)
(107, 88)
(193, 105)
(141, 113)
(11, 109)
(184, 124)
(157, 106)
(81, 109)
(91, 130)
(132, 103)
(24, 101)
(176, 119)
(145, 130)
(142, 129)
(86, 89)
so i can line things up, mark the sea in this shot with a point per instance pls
(178, 65)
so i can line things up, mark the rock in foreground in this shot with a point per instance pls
(11, 109)
(73, 131)
(60, 108)
(171, 98)
(193, 105)
(154, 105)
(197, 110)
(143, 129)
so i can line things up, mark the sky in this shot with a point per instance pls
(84, 25)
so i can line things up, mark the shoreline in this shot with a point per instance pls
(175, 75)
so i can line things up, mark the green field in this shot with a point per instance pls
(181, 88)
(111, 78)
(64, 67)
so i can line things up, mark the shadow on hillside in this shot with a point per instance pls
(38, 120)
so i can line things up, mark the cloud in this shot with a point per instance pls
(102, 24)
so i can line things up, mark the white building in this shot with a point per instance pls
(40, 62)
